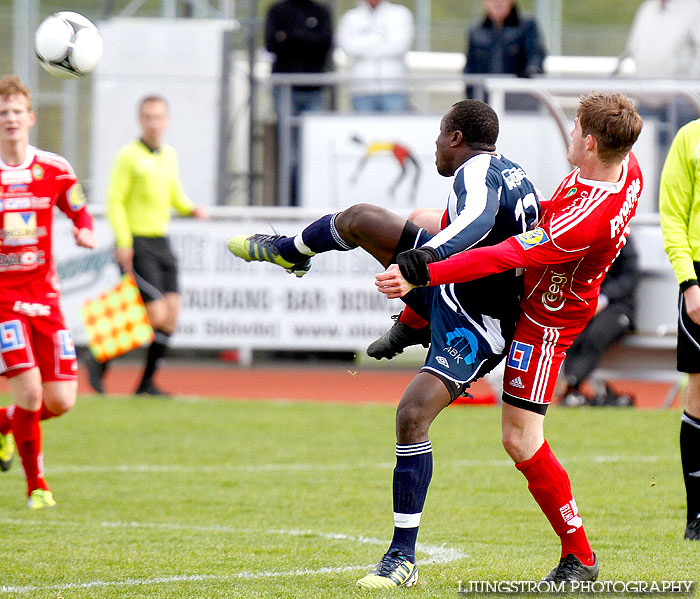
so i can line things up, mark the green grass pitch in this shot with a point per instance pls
(202, 499)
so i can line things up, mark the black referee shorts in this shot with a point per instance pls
(688, 351)
(155, 267)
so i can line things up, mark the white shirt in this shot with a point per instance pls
(664, 41)
(376, 42)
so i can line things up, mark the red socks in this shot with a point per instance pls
(27, 433)
(6, 417)
(550, 486)
(411, 319)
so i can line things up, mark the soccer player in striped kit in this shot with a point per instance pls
(583, 228)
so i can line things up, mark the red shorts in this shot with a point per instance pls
(533, 363)
(35, 334)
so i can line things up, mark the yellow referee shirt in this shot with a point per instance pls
(143, 189)
(679, 201)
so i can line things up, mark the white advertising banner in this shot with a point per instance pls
(228, 303)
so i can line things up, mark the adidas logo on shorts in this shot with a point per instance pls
(516, 382)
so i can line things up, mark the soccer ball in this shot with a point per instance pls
(68, 45)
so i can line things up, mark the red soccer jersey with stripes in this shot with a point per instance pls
(582, 229)
(28, 194)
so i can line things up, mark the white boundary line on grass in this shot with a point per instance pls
(176, 468)
(436, 555)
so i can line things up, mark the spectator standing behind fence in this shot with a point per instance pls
(300, 34)
(376, 36)
(664, 43)
(613, 319)
(144, 187)
(505, 42)
(679, 208)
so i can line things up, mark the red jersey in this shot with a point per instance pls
(581, 232)
(28, 194)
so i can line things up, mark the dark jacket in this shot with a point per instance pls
(514, 48)
(621, 280)
(300, 34)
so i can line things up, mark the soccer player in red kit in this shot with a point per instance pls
(37, 354)
(582, 230)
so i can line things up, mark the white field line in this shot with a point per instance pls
(436, 554)
(252, 468)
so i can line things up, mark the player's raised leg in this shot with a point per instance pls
(370, 227)
(425, 397)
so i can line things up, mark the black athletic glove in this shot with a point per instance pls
(414, 265)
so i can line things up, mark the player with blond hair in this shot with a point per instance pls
(37, 354)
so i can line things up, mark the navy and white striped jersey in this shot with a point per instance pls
(491, 200)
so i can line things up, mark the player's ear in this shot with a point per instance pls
(456, 138)
(591, 143)
(32, 118)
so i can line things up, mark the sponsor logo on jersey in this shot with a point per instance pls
(37, 172)
(517, 383)
(17, 187)
(553, 299)
(520, 355)
(66, 345)
(21, 229)
(31, 308)
(617, 224)
(18, 203)
(533, 238)
(443, 361)
(76, 197)
(11, 336)
(462, 345)
(27, 259)
(13, 177)
(571, 192)
(513, 177)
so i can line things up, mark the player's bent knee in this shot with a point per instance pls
(60, 396)
(412, 423)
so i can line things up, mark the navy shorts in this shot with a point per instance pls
(463, 347)
(155, 267)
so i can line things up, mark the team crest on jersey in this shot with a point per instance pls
(11, 336)
(571, 192)
(520, 355)
(76, 197)
(533, 238)
(37, 172)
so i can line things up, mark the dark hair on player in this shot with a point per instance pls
(613, 120)
(152, 98)
(477, 121)
(11, 85)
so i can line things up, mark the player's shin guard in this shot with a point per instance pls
(690, 461)
(320, 236)
(412, 474)
(27, 433)
(550, 486)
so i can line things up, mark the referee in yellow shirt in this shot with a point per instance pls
(144, 187)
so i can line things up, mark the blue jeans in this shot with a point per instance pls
(380, 103)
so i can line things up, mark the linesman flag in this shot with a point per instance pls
(116, 321)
